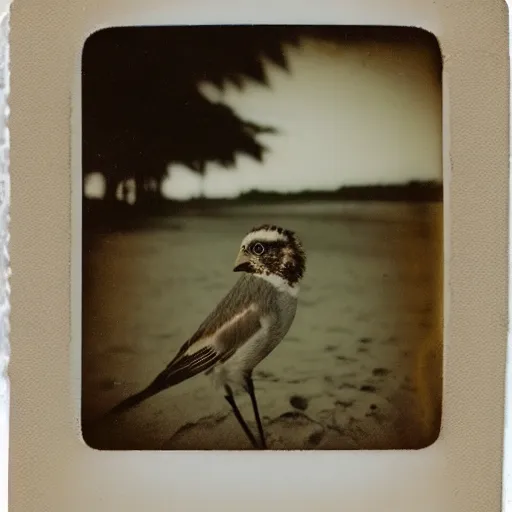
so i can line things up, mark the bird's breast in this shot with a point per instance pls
(274, 327)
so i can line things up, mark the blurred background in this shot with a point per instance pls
(193, 135)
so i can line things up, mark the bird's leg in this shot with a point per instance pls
(231, 401)
(250, 389)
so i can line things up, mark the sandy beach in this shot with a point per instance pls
(359, 369)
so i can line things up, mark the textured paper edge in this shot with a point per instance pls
(507, 443)
(4, 258)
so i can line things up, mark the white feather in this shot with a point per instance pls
(280, 284)
(264, 235)
(209, 341)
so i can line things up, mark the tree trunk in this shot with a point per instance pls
(125, 191)
(111, 185)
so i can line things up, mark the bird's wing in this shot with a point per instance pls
(231, 324)
(202, 352)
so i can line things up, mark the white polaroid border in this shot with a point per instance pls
(52, 469)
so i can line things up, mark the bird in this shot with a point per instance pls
(246, 325)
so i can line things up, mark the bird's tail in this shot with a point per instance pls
(163, 381)
(134, 400)
(179, 369)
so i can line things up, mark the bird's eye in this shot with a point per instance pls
(258, 249)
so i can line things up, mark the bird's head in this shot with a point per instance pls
(271, 250)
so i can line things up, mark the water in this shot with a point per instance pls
(360, 367)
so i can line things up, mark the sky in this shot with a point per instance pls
(363, 113)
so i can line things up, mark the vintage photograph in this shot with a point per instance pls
(262, 238)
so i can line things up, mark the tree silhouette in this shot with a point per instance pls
(143, 109)
(142, 106)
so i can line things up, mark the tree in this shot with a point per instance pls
(143, 109)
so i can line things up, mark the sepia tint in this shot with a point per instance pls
(193, 136)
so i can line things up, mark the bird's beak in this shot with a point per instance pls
(242, 262)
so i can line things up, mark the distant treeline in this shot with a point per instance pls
(413, 191)
(416, 191)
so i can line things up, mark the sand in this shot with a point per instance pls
(359, 369)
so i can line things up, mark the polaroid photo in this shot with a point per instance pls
(311, 155)
(266, 253)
